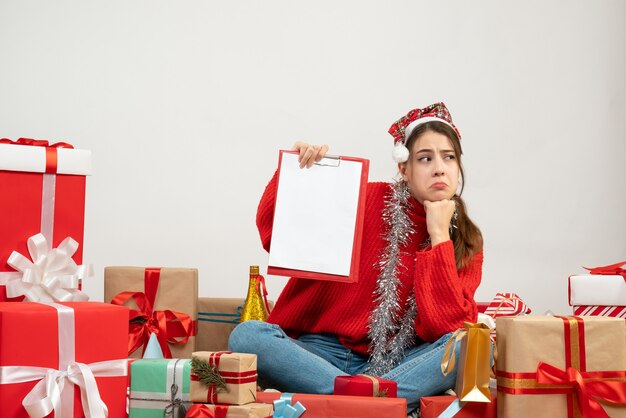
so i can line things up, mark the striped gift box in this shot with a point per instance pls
(506, 304)
(595, 310)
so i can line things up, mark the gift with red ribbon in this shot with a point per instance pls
(251, 410)
(603, 286)
(42, 191)
(340, 406)
(561, 367)
(365, 385)
(63, 360)
(163, 301)
(450, 406)
(223, 377)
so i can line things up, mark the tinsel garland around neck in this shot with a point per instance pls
(389, 334)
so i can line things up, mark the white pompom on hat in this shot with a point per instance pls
(402, 128)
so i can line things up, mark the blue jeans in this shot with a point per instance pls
(311, 363)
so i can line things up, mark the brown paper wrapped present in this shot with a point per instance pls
(223, 377)
(251, 410)
(217, 317)
(162, 301)
(551, 367)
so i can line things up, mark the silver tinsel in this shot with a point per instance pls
(390, 335)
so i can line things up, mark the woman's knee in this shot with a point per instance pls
(245, 337)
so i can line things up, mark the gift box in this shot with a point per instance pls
(365, 385)
(43, 191)
(560, 366)
(612, 311)
(251, 410)
(451, 406)
(597, 289)
(163, 301)
(223, 377)
(158, 386)
(217, 317)
(338, 406)
(58, 349)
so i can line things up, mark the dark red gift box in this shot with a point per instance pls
(364, 385)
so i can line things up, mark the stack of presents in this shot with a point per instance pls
(155, 349)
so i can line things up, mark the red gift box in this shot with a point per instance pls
(85, 338)
(42, 189)
(338, 406)
(434, 406)
(364, 385)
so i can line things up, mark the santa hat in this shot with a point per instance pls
(402, 128)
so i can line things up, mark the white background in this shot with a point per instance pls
(185, 105)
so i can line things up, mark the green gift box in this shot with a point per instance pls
(159, 387)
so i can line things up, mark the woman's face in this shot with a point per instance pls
(432, 170)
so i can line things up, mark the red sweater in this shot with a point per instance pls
(444, 297)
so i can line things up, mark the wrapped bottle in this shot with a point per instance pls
(256, 306)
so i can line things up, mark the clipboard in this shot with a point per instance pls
(318, 218)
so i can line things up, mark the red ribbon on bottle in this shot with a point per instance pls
(263, 290)
(169, 326)
(51, 150)
(203, 411)
(575, 381)
(611, 269)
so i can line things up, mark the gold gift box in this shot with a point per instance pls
(586, 344)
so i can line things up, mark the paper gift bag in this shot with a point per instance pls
(251, 410)
(223, 377)
(42, 190)
(472, 379)
(163, 301)
(558, 366)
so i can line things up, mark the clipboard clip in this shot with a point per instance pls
(329, 161)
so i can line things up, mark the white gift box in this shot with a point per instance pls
(597, 289)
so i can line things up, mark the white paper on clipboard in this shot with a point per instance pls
(316, 215)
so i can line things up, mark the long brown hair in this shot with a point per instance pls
(466, 236)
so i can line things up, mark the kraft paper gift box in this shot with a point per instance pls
(251, 410)
(217, 317)
(237, 375)
(364, 385)
(42, 190)
(541, 359)
(159, 387)
(162, 301)
(451, 406)
(39, 340)
(339, 406)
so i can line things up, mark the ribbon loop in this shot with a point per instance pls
(610, 269)
(51, 276)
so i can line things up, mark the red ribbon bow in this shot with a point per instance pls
(202, 411)
(611, 269)
(586, 391)
(169, 326)
(36, 143)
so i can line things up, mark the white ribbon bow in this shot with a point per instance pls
(51, 276)
(45, 397)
